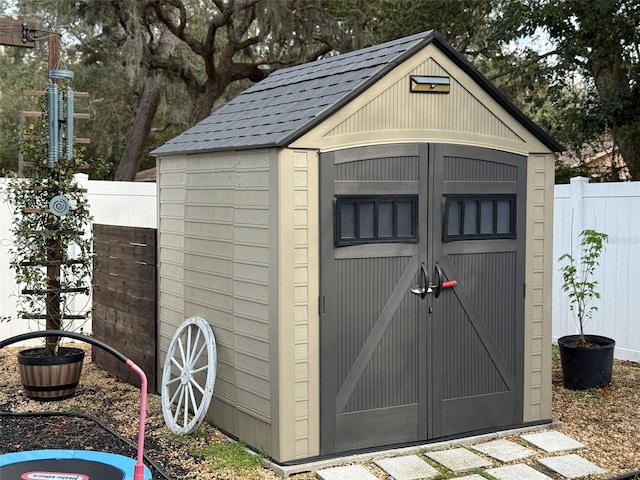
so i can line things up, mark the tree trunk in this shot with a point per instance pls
(128, 166)
(613, 86)
(151, 93)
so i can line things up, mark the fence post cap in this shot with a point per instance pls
(579, 180)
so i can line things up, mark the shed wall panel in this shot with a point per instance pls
(537, 357)
(298, 360)
(216, 235)
(171, 182)
(460, 110)
(390, 113)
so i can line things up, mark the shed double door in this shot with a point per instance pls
(402, 360)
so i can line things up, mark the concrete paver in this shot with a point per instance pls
(495, 457)
(350, 472)
(408, 467)
(571, 466)
(552, 442)
(458, 459)
(519, 471)
(504, 450)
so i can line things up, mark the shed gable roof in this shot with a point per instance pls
(291, 101)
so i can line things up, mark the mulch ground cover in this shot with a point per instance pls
(606, 420)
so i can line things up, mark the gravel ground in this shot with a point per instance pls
(605, 420)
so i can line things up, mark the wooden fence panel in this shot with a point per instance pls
(124, 299)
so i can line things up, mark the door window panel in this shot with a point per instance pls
(486, 217)
(376, 219)
(406, 220)
(452, 221)
(503, 214)
(385, 219)
(347, 221)
(470, 224)
(479, 217)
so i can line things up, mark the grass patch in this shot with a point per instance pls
(229, 455)
(182, 438)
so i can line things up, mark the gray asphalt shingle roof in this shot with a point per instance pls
(291, 101)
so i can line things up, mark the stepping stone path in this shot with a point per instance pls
(498, 458)
(518, 471)
(552, 441)
(410, 467)
(571, 466)
(504, 450)
(458, 459)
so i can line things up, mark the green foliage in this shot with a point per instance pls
(231, 455)
(596, 56)
(577, 279)
(580, 83)
(49, 253)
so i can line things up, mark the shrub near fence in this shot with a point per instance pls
(124, 299)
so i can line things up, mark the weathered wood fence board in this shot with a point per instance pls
(124, 299)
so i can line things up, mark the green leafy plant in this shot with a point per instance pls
(577, 278)
(51, 253)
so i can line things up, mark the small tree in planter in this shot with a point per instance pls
(51, 254)
(587, 360)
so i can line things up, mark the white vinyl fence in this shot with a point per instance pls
(612, 208)
(113, 203)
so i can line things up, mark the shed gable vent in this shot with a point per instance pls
(429, 84)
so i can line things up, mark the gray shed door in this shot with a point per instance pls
(398, 364)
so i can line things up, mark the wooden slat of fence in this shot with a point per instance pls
(118, 234)
(124, 299)
(126, 251)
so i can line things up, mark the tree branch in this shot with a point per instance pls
(533, 61)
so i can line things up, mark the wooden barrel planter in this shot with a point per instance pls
(50, 377)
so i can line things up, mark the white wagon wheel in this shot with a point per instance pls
(189, 375)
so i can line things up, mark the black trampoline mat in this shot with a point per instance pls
(60, 469)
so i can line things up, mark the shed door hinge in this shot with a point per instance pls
(524, 290)
(321, 305)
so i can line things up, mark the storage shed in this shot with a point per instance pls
(369, 236)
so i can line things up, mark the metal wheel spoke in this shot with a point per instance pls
(179, 405)
(198, 370)
(185, 421)
(187, 357)
(179, 366)
(193, 399)
(193, 345)
(197, 385)
(176, 394)
(198, 355)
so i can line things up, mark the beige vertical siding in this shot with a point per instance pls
(539, 245)
(389, 113)
(171, 183)
(298, 373)
(459, 111)
(226, 224)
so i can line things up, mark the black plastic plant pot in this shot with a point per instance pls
(585, 367)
